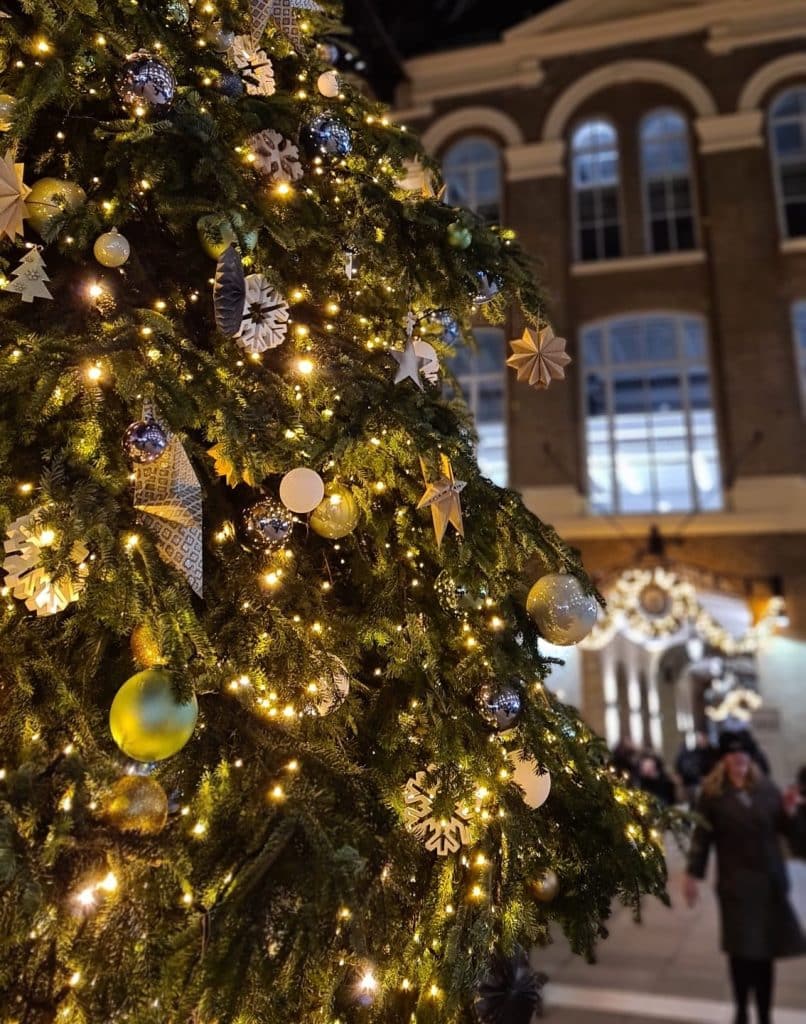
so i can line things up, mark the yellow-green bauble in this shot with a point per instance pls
(7, 107)
(137, 803)
(48, 199)
(147, 722)
(217, 233)
(336, 515)
(545, 887)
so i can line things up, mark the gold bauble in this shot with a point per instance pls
(336, 515)
(545, 887)
(217, 233)
(144, 646)
(50, 198)
(7, 107)
(112, 249)
(147, 722)
(137, 803)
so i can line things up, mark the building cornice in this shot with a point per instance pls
(648, 261)
(514, 59)
(535, 160)
(742, 130)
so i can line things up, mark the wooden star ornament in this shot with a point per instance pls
(442, 497)
(539, 358)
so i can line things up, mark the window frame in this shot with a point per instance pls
(575, 191)
(495, 143)
(606, 370)
(798, 317)
(775, 158)
(470, 384)
(666, 177)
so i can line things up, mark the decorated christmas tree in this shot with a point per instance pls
(275, 740)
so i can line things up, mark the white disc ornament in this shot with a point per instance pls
(535, 785)
(264, 322)
(301, 490)
(328, 84)
(561, 609)
(112, 249)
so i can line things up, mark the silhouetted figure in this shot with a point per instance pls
(653, 778)
(694, 763)
(744, 813)
(625, 759)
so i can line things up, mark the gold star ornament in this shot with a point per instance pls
(539, 357)
(442, 497)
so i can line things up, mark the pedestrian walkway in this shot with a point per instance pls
(665, 970)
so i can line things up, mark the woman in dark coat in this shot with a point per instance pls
(744, 813)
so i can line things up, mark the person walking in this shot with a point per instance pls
(743, 813)
(693, 764)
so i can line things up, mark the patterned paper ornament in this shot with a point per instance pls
(27, 578)
(146, 84)
(13, 193)
(442, 835)
(275, 157)
(168, 496)
(254, 66)
(539, 357)
(30, 277)
(137, 803)
(229, 292)
(264, 320)
(442, 497)
(282, 14)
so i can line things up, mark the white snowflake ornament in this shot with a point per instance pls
(26, 576)
(264, 323)
(254, 65)
(275, 157)
(442, 835)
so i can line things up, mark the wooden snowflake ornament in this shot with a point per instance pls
(538, 358)
(441, 835)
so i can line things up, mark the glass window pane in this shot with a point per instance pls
(793, 181)
(630, 394)
(693, 339)
(626, 337)
(790, 103)
(661, 339)
(588, 249)
(612, 241)
(593, 349)
(596, 392)
(796, 219)
(661, 240)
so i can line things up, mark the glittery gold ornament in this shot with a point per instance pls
(336, 515)
(144, 646)
(545, 887)
(137, 803)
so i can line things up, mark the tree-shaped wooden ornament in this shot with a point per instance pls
(30, 277)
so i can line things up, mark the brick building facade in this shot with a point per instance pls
(653, 156)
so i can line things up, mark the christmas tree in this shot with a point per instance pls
(275, 743)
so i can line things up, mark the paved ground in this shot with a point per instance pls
(665, 970)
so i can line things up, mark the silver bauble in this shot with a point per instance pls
(499, 705)
(146, 84)
(268, 524)
(326, 135)
(562, 610)
(486, 288)
(144, 441)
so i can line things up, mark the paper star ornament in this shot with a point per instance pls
(408, 364)
(442, 497)
(13, 193)
(539, 357)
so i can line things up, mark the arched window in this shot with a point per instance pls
(666, 171)
(788, 150)
(481, 376)
(595, 177)
(799, 331)
(650, 429)
(472, 172)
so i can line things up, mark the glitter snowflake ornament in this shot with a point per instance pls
(275, 157)
(441, 835)
(254, 65)
(264, 323)
(26, 576)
